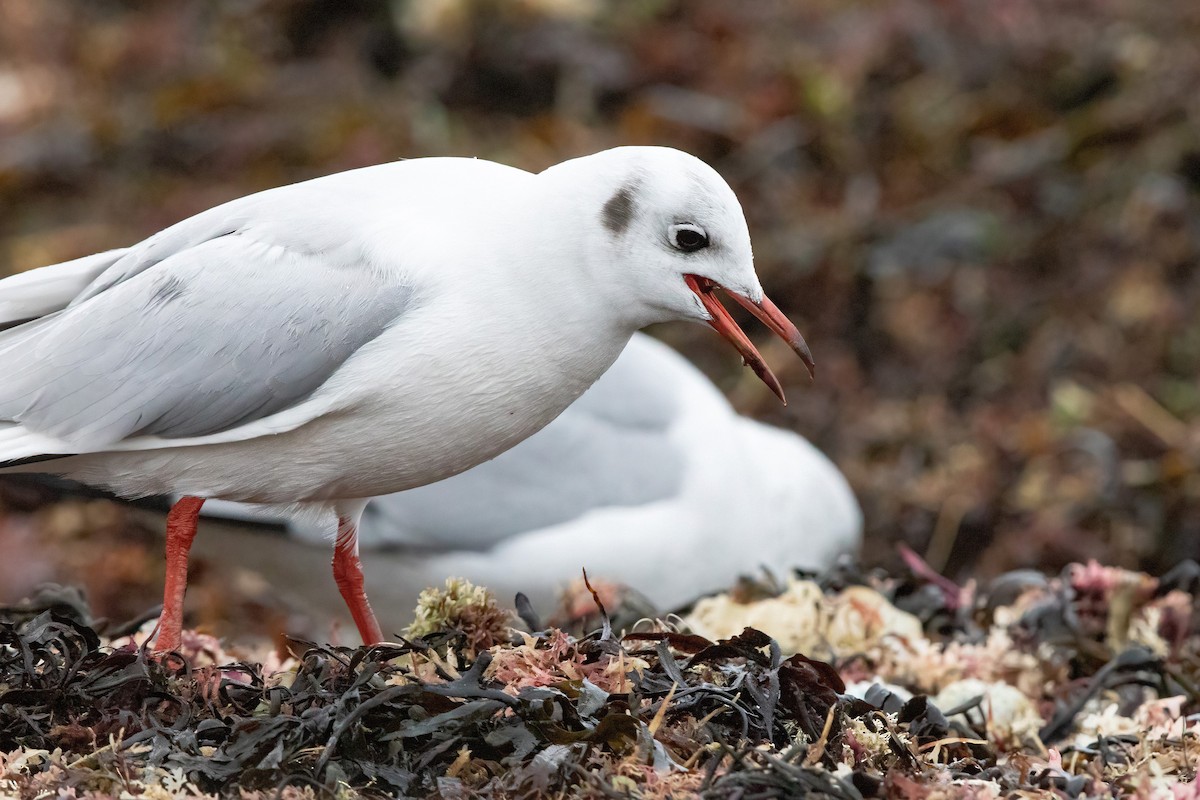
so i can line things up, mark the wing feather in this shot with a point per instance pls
(37, 292)
(227, 331)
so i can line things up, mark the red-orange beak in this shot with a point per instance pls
(766, 311)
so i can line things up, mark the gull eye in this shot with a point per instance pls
(688, 238)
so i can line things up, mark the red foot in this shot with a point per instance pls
(347, 571)
(181, 530)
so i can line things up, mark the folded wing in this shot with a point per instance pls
(214, 335)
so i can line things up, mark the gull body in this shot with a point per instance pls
(360, 334)
(444, 383)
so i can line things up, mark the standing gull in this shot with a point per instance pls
(361, 334)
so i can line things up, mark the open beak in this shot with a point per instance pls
(766, 311)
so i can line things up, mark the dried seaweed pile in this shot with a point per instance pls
(1083, 685)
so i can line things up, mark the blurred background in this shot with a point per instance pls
(984, 215)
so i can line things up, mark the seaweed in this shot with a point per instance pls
(652, 712)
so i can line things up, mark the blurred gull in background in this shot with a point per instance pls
(650, 480)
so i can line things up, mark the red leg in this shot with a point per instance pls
(347, 571)
(181, 530)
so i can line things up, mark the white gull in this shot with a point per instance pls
(360, 334)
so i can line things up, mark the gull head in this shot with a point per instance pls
(667, 231)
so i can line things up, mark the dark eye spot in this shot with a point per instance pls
(689, 238)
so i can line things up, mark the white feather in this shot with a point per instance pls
(37, 292)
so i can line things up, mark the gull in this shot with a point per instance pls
(360, 334)
(620, 484)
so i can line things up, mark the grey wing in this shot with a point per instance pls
(612, 447)
(224, 220)
(32, 294)
(229, 330)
